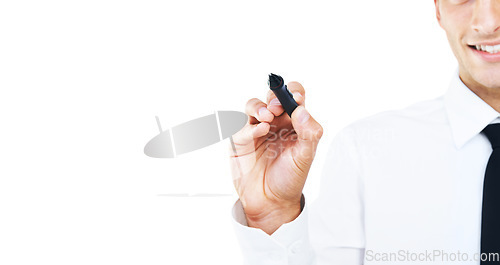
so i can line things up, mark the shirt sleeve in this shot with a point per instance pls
(329, 232)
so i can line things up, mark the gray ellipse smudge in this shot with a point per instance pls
(160, 146)
(231, 122)
(195, 134)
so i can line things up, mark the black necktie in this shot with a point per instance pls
(490, 224)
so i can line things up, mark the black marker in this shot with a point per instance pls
(277, 85)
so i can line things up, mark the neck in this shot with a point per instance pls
(490, 95)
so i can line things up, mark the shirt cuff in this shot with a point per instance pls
(288, 245)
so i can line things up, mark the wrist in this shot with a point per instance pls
(276, 215)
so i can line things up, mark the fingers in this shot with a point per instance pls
(309, 132)
(257, 109)
(250, 132)
(244, 140)
(258, 124)
(275, 106)
(297, 91)
(307, 128)
(262, 114)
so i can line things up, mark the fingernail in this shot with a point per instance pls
(275, 102)
(296, 95)
(262, 112)
(303, 115)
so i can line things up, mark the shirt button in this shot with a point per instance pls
(295, 247)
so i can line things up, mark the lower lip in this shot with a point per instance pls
(489, 57)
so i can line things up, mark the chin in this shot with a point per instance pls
(489, 77)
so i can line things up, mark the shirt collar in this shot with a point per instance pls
(468, 114)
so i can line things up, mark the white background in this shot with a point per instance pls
(82, 81)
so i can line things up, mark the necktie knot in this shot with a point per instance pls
(492, 131)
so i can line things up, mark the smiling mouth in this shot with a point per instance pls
(486, 48)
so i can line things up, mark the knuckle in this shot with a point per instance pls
(319, 131)
(252, 101)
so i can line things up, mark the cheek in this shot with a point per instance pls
(455, 22)
(456, 15)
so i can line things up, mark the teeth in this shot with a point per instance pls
(488, 49)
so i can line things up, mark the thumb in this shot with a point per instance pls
(309, 132)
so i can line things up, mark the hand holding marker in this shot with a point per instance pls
(273, 154)
(269, 172)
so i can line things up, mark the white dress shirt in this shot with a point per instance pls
(402, 186)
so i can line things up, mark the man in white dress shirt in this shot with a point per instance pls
(398, 187)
